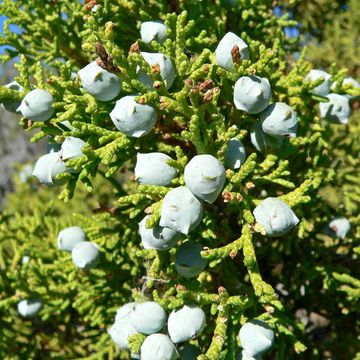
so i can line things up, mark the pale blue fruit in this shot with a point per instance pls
(122, 327)
(348, 82)
(124, 311)
(188, 261)
(256, 337)
(279, 120)
(158, 347)
(275, 216)
(25, 259)
(252, 94)
(340, 227)
(29, 307)
(131, 118)
(261, 141)
(181, 210)
(324, 88)
(148, 317)
(85, 255)
(100, 83)
(188, 352)
(120, 331)
(152, 169)
(71, 148)
(48, 167)
(336, 110)
(37, 105)
(224, 48)
(153, 30)
(158, 238)
(12, 106)
(69, 237)
(235, 154)
(167, 70)
(204, 176)
(186, 323)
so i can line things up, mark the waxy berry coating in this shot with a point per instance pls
(252, 94)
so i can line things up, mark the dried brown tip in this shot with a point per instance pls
(135, 48)
(235, 54)
(89, 4)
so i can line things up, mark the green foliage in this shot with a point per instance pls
(247, 270)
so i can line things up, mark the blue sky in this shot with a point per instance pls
(13, 28)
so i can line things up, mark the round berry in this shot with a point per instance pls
(324, 88)
(85, 255)
(120, 331)
(71, 148)
(100, 83)
(25, 259)
(122, 327)
(186, 323)
(153, 30)
(223, 52)
(336, 110)
(204, 176)
(131, 118)
(235, 154)
(158, 347)
(158, 238)
(48, 167)
(148, 317)
(261, 141)
(340, 227)
(152, 169)
(188, 261)
(181, 210)
(12, 106)
(279, 120)
(275, 216)
(256, 337)
(69, 237)
(29, 307)
(37, 105)
(252, 94)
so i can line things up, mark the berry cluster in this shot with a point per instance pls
(185, 192)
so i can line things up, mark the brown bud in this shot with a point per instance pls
(233, 254)
(208, 96)
(135, 48)
(235, 54)
(206, 68)
(207, 84)
(100, 50)
(189, 82)
(149, 210)
(157, 85)
(180, 287)
(89, 4)
(249, 185)
(28, 124)
(142, 100)
(227, 197)
(155, 69)
(270, 309)
(221, 289)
